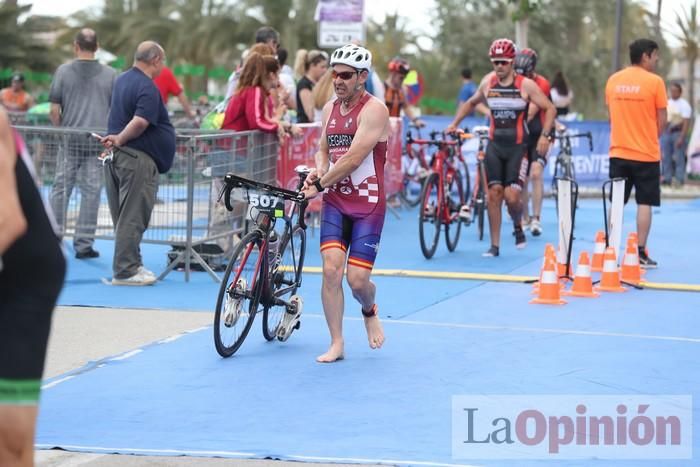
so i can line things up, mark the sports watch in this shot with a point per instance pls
(317, 184)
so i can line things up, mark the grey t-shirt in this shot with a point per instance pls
(83, 89)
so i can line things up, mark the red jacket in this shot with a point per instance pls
(246, 111)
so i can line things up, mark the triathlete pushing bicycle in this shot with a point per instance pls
(350, 169)
(507, 96)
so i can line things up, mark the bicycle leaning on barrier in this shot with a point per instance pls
(478, 201)
(442, 195)
(564, 164)
(415, 168)
(265, 270)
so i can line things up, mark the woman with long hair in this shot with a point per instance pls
(247, 109)
(561, 94)
(321, 94)
(315, 65)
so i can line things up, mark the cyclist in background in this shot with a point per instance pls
(395, 91)
(508, 96)
(525, 64)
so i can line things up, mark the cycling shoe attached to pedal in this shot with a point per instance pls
(291, 319)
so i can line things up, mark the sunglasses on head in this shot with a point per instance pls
(500, 62)
(344, 75)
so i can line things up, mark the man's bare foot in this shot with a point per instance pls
(375, 334)
(334, 353)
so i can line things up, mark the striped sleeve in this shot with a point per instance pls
(255, 112)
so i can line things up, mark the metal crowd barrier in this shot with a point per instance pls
(186, 215)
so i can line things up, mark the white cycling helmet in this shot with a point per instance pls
(352, 55)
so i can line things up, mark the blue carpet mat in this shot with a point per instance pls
(444, 338)
(674, 234)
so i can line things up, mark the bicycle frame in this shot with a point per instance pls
(264, 223)
(442, 164)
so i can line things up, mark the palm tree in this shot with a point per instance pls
(20, 47)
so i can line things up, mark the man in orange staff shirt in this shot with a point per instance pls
(636, 100)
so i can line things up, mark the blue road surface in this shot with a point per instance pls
(444, 338)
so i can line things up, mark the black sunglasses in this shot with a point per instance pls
(344, 75)
(500, 62)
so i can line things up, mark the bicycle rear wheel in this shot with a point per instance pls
(429, 216)
(285, 277)
(455, 200)
(239, 295)
(412, 182)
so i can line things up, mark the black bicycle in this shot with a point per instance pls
(265, 270)
(564, 165)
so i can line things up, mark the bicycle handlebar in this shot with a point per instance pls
(587, 135)
(232, 181)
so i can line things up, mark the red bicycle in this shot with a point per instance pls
(415, 168)
(442, 195)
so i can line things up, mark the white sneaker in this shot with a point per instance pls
(535, 227)
(291, 319)
(465, 214)
(137, 279)
(146, 272)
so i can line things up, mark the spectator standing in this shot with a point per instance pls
(143, 140)
(264, 36)
(467, 89)
(636, 100)
(80, 97)
(562, 96)
(322, 93)
(395, 91)
(314, 63)
(673, 139)
(15, 98)
(168, 86)
(286, 78)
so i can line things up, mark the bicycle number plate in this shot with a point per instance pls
(261, 202)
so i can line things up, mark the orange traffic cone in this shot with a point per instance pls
(610, 279)
(598, 252)
(631, 271)
(583, 284)
(549, 253)
(634, 240)
(549, 287)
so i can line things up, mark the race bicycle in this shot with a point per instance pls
(564, 164)
(479, 197)
(415, 168)
(265, 270)
(442, 195)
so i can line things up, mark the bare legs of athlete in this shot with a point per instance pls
(333, 302)
(17, 426)
(514, 204)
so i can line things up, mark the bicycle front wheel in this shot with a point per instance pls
(429, 220)
(239, 295)
(455, 200)
(285, 277)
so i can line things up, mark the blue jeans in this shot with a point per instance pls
(673, 158)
